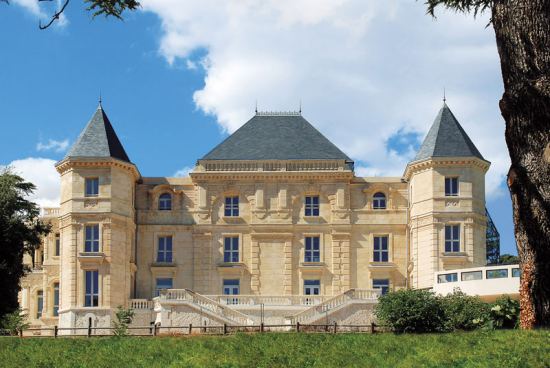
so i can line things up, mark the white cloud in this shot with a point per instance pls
(364, 69)
(41, 172)
(53, 145)
(43, 10)
(184, 172)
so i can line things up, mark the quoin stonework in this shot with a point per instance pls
(272, 225)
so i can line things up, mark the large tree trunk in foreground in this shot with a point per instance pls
(522, 29)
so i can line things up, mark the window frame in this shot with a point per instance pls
(157, 289)
(55, 299)
(503, 271)
(165, 201)
(39, 303)
(379, 201)
(445, 279)
(313, 240)
(479, 272)
(167, 254)
(452, 183)
(381, 252)
(57, 245)
(451, 242)
(91, 190)
(91, 289)
(516, 272)
(231, 206)
(312, 284)
(93, 241)
(312, 209)
(229, 252)
(383, 285)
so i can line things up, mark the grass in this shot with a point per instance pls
(508, 349)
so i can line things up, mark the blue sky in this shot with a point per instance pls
(177, 77)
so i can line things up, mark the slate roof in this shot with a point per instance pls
(276, 137)
(447, 138)
(98, 139)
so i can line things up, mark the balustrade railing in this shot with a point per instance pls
(141, 304)
(274, 300)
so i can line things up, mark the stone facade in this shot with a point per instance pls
(271, 230)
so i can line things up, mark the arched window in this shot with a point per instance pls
(165, 201)
(379, 201)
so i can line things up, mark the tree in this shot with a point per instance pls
(508, 259)
(124, 318)
(113, 8)
(20, 231)
(522, 30)
(14, 323)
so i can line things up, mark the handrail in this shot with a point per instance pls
(276, 300)
(317, 311)
(140, 304)
(204, 303)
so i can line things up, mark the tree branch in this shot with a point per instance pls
(56, 15)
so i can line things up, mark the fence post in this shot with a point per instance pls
(297, 326)
(334, 326)
(89, 326)
(55, 331)
(155, 327)
(21, 332)
(204, 328)
(262, 327)
(225, 328)
(372, 327)
(190, 328)
(151, 325)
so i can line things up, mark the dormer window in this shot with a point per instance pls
(379, 201)
(312, 206)
(91, 187)
(165, 202)
(231, 206)
(451, 187)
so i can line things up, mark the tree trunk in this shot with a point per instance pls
(522, 29)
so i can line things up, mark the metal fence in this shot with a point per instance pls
(225, 329)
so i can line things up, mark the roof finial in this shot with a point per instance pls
(300, 110)
(256, 106)
(444, 98)
(100, 100)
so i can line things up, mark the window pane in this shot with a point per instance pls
(516, 272)
(456, 230)
(449, 277)
(497, 274)
(470, 276)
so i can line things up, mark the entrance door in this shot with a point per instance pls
(312, 287)
(231, 287)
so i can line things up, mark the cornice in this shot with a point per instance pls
(70, 163)
(434, 162)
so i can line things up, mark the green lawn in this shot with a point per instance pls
(474, 349)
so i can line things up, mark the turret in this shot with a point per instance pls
(447, 202)
(97, 225)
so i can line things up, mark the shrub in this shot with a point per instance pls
(14, 322)
(411, 311)
(124, 318)
(464, 312)
(505, 312)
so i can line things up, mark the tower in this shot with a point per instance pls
(97, 226)
(447, 218)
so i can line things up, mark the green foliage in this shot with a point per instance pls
(463, 6)
(124, 318)
(508, 259)
(411, 311)
(501, 348)
(464, 312)
(113, 8)
(505, 313)
(20, 231)
(14, 322)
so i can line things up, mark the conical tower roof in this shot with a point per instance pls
(98, 139)
(447, 138)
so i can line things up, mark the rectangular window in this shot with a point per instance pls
(381, 251)
(381, 284)
(451, 187)
(91, 298)
(231, 206)
(231, 287)
(163, 283)
(516, 272)
(39, 303)
(312, 253)
(448, 277)
(91, 242)
(57, 245)
(452, 238)
(231, 249)
(497, 274)
(56, 299)
(92, 187)
(312, 206)
(470, 276)
(312, 287)
(164, 250)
